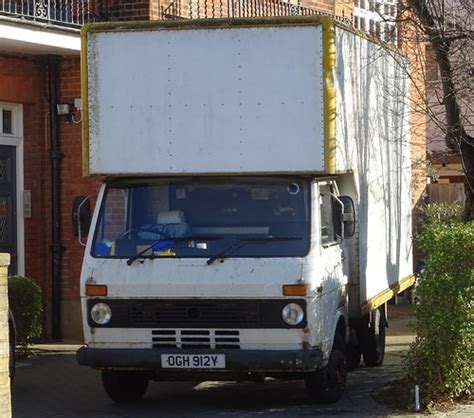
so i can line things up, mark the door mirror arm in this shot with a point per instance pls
(81, 217)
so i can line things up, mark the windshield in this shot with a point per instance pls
(202, 217)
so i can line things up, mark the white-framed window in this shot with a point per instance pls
(372, 27)
(325, 206)
(8, 121)
(378, 17)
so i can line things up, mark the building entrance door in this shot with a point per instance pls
(8, 215)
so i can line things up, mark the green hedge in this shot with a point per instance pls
(440, 360)
(442, 213)
(24, 298)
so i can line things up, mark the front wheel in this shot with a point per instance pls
(124, 386)
(328, 384)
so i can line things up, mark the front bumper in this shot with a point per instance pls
(236, 360)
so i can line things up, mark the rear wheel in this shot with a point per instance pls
(373, 339)
(353, 356)
(124, 386)
(327, 385)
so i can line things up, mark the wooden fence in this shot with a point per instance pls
(446, 193)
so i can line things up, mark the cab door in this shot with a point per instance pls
(334, 266)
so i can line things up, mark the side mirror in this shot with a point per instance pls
(81, 217)
(349, 216)
(344, 217)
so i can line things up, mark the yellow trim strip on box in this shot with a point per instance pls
(388, 294)
(329, 104)
(85, 102)
(361, 34)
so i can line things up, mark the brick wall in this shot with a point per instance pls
(72, 184)
(130, 9)
(327, 5)
(412, 44)
(344, 8)
(24, 81)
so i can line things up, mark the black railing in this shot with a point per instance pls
(209, 9)
(69, 13)
(74, 13)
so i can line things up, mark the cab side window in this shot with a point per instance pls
(325, 205)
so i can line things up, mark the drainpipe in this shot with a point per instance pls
(55, 157)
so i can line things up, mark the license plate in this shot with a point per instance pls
(193, 361)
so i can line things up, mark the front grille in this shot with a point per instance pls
(212, 314)
(196, 339)
(172, 314)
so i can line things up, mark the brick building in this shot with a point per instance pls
(40, 150)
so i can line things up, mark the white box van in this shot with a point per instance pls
(256, 215)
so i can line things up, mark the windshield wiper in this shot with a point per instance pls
(244, 241)
(173, 240)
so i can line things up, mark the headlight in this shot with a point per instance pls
(101, 313)
(292, 314)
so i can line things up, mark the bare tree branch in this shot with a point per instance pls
(447, 26)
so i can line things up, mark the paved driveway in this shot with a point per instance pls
(53, 385)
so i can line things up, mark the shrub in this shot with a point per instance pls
(440, 360)
(24, 298)
(442, 213)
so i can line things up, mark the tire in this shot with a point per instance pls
(373, 339)
(353, 357)
(328, 384)
(124, 386)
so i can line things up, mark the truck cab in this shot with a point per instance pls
(227, 277)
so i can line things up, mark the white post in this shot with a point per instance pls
(417, 398)
(5, 395)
